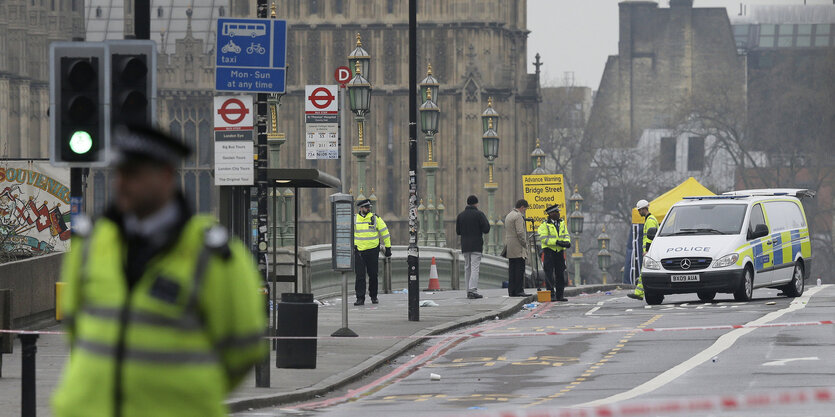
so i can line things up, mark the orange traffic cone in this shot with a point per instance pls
(434, 284)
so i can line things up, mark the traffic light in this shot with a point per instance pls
(78, 100)
(133, 89)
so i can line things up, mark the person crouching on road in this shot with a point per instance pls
(162, 308)
(472, 225)
(555, 239)
(516, 245)
(368, 229)
(650, 229)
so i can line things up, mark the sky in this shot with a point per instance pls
(578, 35)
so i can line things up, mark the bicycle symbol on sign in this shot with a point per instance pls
(256, 48)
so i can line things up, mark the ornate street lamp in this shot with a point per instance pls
(538, 160)
(490, 115)
(360, 56)
(429, 86)
(575, 222)
(603, 256)
(359, 99)
(490, 141)
(429, 116)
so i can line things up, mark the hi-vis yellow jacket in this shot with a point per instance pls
(367, 235)
(173, 345)
(649, 223)
(549, 235)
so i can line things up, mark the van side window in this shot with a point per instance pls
(757, 218)
(784, 215)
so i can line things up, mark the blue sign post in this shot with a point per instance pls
(251, 55)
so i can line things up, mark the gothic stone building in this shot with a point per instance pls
(477, 50)
(26, 29)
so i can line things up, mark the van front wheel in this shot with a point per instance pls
(746, 287)
(653, 299)
(706, 296)
(795, 287)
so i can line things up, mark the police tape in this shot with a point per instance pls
(479, 334)
(685, 405)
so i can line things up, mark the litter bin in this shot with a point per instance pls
(297, 317)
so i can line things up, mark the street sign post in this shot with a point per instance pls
(542, 191)
(251, 55)
(321, 114)
(233, 140)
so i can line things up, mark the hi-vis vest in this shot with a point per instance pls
(175, 344)
(367, 235)
(649, 223)
(549, 235)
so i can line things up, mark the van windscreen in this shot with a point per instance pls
(704, 219)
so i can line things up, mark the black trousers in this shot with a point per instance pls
(515, 276)
(554, 265)
(366, 262)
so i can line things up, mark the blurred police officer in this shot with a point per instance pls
(368, 229)
(162, 309)
(553, 234)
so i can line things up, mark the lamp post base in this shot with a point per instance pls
(344, 332)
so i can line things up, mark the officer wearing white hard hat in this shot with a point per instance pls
(650, 229)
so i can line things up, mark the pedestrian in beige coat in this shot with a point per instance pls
(516, 246)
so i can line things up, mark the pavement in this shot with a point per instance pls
(384, 334)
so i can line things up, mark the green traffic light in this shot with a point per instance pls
(81, 142)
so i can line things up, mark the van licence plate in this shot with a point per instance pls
(685, 278)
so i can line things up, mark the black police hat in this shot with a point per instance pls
(364, 203)
(137, 144)
(552, 209)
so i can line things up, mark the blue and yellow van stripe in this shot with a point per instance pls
(785, 248)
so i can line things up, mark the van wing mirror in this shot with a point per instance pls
(759, 231)
(651, 232)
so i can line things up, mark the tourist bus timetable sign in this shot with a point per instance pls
(251, 55)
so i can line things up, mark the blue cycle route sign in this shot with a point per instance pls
(251, 55)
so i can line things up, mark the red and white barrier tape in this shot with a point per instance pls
(518, 334)
(686, 405)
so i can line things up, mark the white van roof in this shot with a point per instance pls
(794, 192)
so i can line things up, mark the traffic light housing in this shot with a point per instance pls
(133, 79)
(78, 101)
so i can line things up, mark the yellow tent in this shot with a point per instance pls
(661, 205)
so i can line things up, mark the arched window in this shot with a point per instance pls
(191, 189)
(206, 150)
(190, 134)
(205, 192)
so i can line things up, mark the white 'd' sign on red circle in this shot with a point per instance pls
(233, 112)
(342, 75)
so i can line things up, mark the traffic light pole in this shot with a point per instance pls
(413, 251)
(262, 373)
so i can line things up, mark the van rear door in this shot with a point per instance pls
(785, 221)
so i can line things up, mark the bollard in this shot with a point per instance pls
(6, 344)
(386, 275)
(262, 368)
(28, 347)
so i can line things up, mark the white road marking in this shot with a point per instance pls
(782, 362)
(600, 304)
(723, 343)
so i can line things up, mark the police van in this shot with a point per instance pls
(730, 243)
